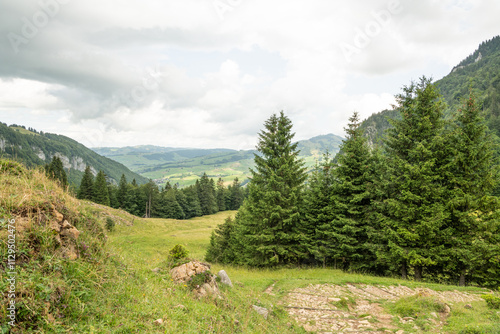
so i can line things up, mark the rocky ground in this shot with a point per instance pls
(356, 308)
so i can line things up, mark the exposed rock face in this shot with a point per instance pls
(66, 234)
(224, 278)
(39, 153)
(184, 272)
(209, 289)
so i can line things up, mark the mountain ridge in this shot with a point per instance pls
(35, 148)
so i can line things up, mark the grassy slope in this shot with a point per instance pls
(111, 288)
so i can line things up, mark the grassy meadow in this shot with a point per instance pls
(145, 245)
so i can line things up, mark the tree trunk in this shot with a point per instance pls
(418, 273)
(462, 277)
(403, 271)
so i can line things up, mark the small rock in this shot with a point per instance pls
(468, 306)
(70, 232)
(408, 319)
(158, 322)
(261, 310)
(66, 224)
(59, 216)
(55, 226)
(434, 314)
(447, 309)
(155, 270)
(180, 306)
(236, 322)
(224, 278)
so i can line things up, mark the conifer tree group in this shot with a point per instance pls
(422, 204)
(148, 200)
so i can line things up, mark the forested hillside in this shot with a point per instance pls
(480, 72)
(35, 148)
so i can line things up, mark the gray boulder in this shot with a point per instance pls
(224, 278)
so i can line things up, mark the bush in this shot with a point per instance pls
(199, 279)
(178, 252)
(110, 224)
(492, 301)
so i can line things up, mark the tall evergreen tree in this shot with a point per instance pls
(320, 212)
(236, 195)
(414, 208)
(192, 207)
(55, 171)
(101, 194)
(169, 207)
(354, 174)
(221, 195)
(122, 194)
(86, 190)
(206, 195)
(473, 175)
(269, 223)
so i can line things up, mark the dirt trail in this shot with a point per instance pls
(320, 307)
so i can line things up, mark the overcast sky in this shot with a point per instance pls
(208, 73)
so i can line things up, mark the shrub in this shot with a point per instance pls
(200, 279)
(492, 301)
(110, 224)
(178, 252)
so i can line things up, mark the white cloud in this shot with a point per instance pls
(176, 73)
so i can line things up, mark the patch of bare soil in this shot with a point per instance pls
(355, 308)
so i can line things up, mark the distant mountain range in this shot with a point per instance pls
(35, 148)
(184, 166)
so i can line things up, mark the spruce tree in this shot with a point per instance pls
(86, 190)
(236, 195)
(222, 247)
(269, 223)
(55, 171)
(122, 194)
(101, 194)
(206, 193)
(414, 208)
(191, 206)
(473, 176)
(221, 195)
(354, 173)
(169, 205)
(320, 212)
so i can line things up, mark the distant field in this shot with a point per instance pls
(185, 166)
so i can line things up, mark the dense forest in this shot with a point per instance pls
(419, 204)
(148, 200)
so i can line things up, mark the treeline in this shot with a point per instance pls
(148, 200)
(421, 204)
